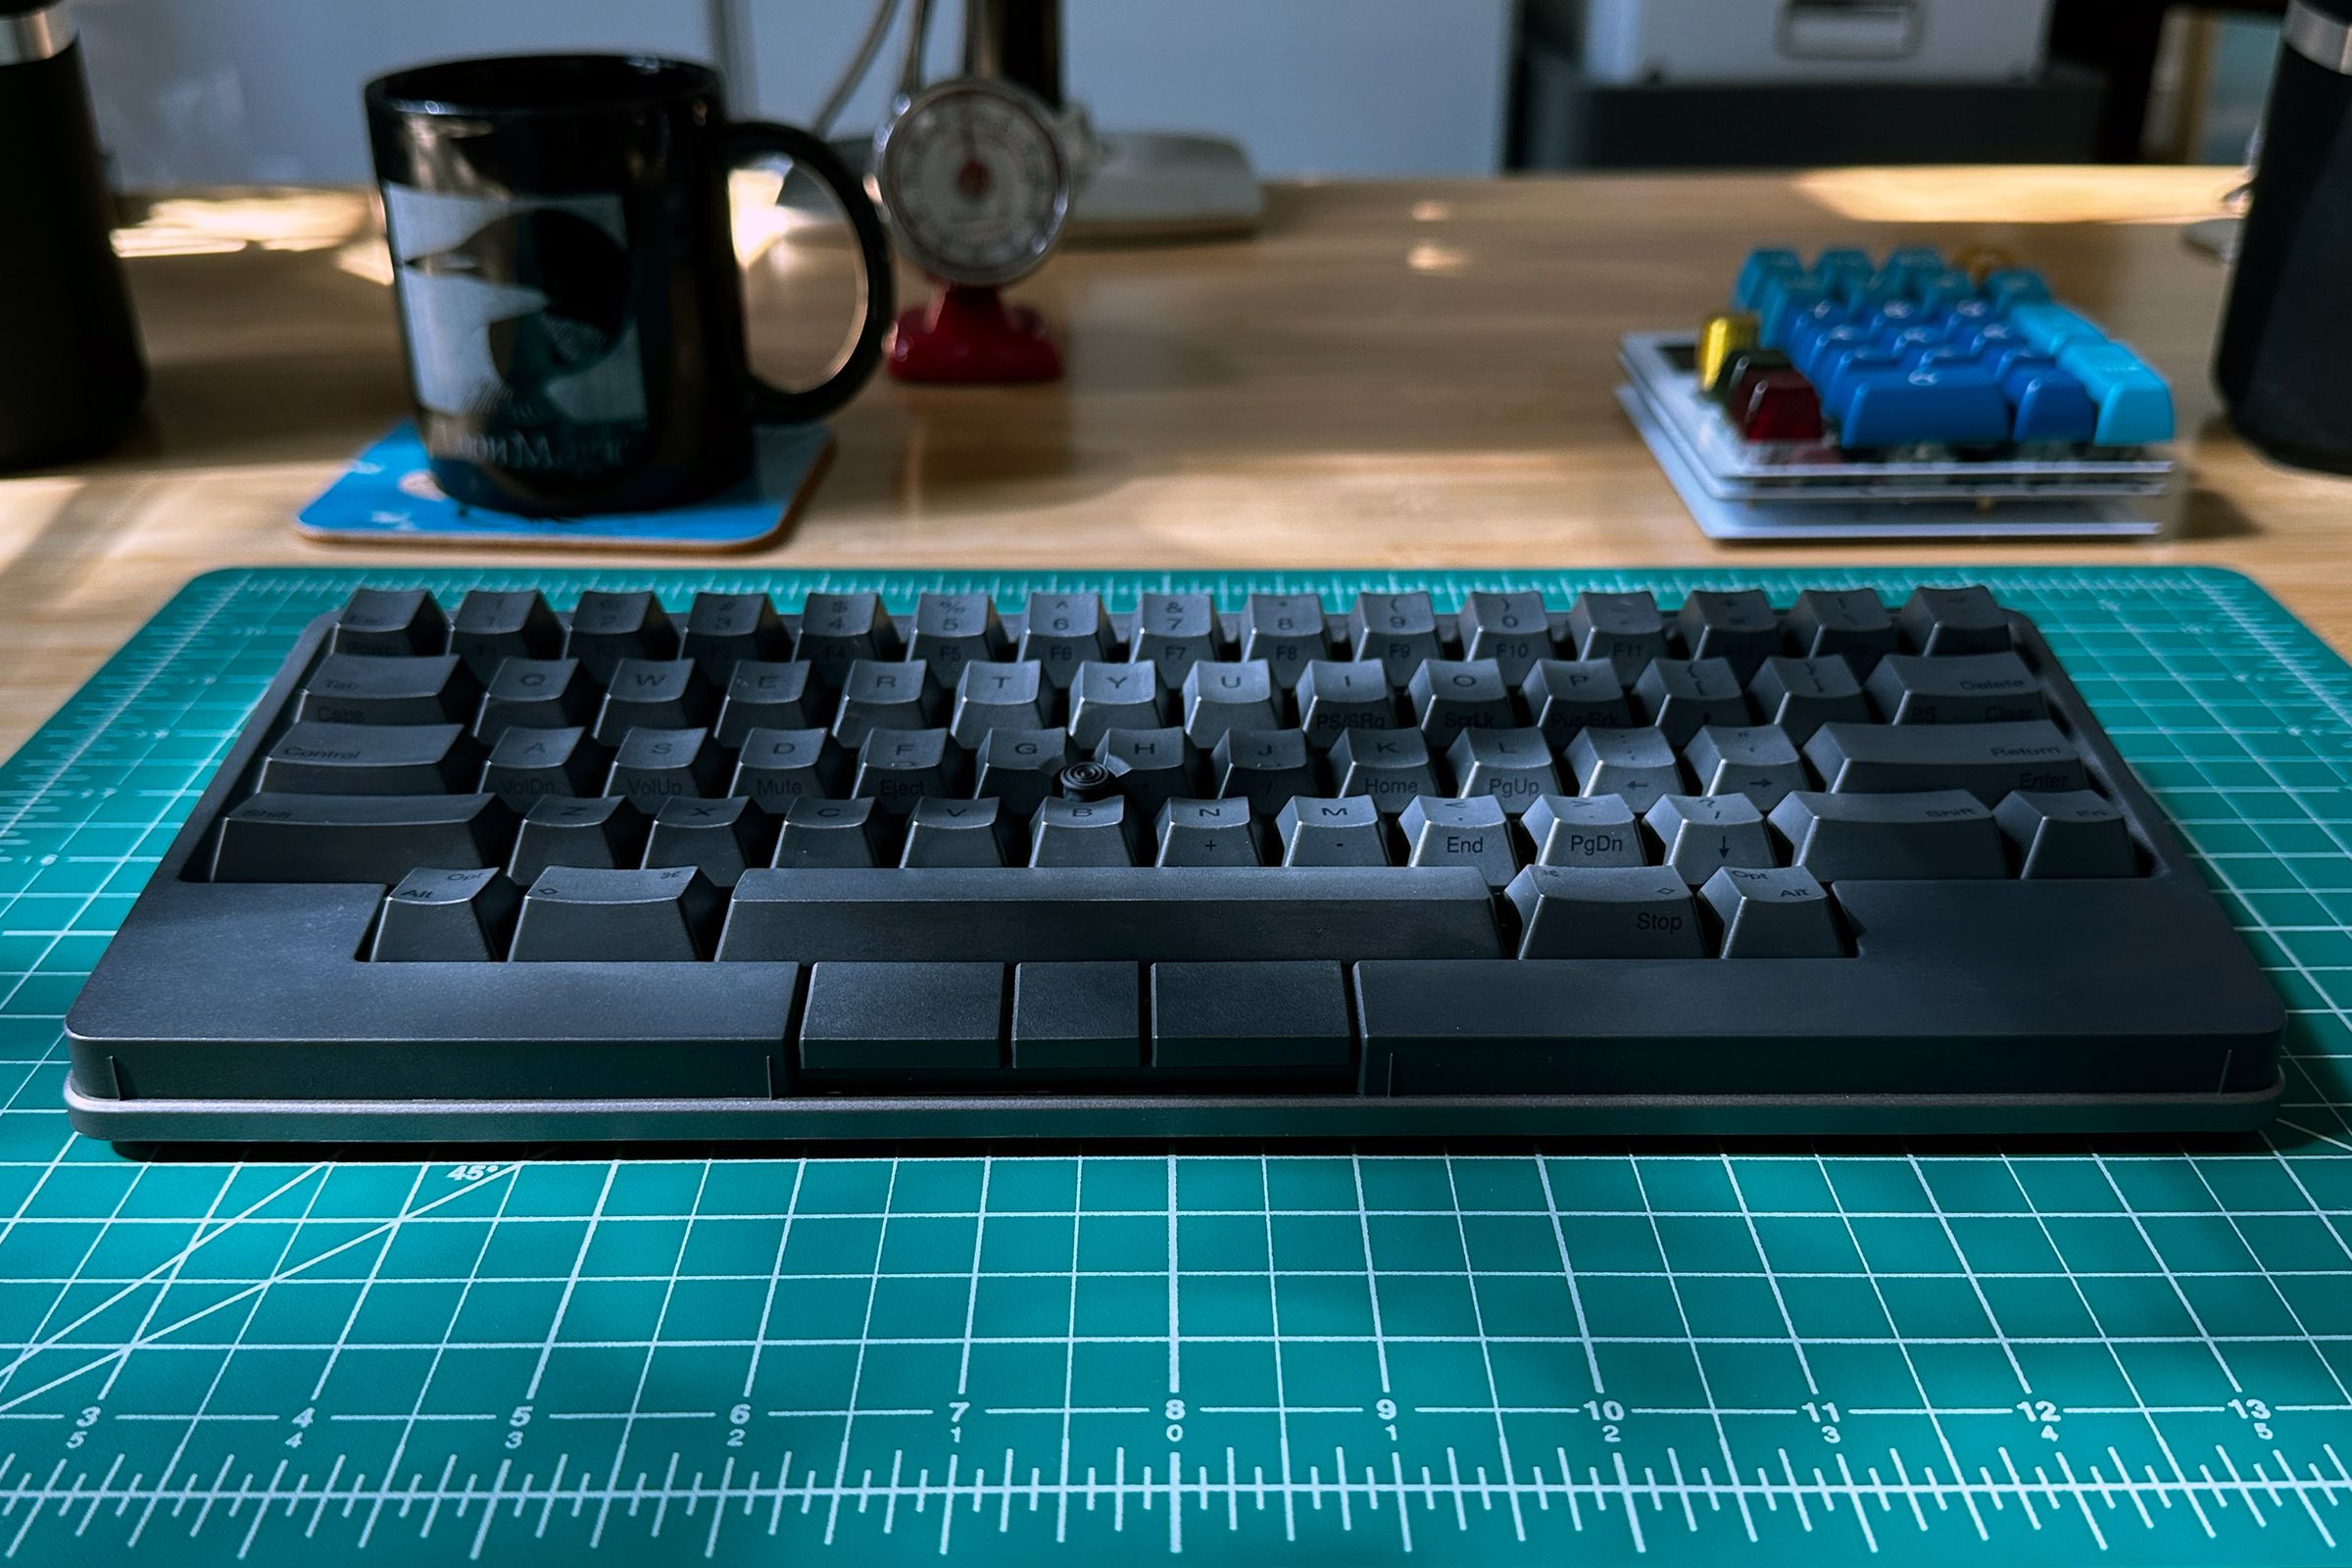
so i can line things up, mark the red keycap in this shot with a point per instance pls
(1780, 406)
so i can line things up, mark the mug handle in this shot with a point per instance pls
(748, 139)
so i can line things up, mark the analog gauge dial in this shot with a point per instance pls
(975, 180)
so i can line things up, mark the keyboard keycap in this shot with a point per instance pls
(1062, 631)
(1286, 632)
(1604, 913)
(1699, 835)
(2066, 834)
(1251, 1016)
(1083, 833)
(1174, 913)
(1175, 631)
(542, 693)
(1571, 830)
(394, 621)
(1987, 760)
(371, 689)
(1959, 689)
(1323, 830)
(875, 694)
(888, 1019)
(608, 831)
(1016, 767)
(1626, 630)
(1958, 408)
(652, 694)
(896, 768)
(1953, 620)
(1154, 767)
(724, 629)
(492, 627)
(1105, 697)
(839, 630)
(1681, 696)
(609, 627)
(272, 837)
(1473, 833)
(1450, 694)
(2135, 402)
(777, 766)
(1076, 1017)
(947, 833)
(1512, 765)
(832, 835)
(1800, 695)
(316, 759)
(1013, 696)
(762, 694)
(1387, 766)
(1772, 913)
(724, 838)
(583, 915)
(953, 630)
(443, 916)
(1206, 833)
(1264, 766)
(650, 765)
(1853, 624)
(1218, 698)
(1565, 695)
(1756, 761)
(1935, 834)
(1511, 629)
(1335, 697)
(1397, 630)
(527, 763)
(1637, 764)
(1739, 629)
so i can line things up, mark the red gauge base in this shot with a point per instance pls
(969, 336)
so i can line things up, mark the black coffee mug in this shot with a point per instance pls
(570, 301)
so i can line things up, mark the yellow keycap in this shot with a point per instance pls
(1722, 337)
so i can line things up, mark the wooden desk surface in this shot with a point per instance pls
(1392, 374)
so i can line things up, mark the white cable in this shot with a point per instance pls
(886, 12)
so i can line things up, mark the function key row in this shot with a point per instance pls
(1061, 631)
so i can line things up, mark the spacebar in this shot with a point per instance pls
(1143, 913)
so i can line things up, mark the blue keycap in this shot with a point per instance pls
(1816, 357)
(1941, 357)
(2016, 286)
(1844, 270)
(1760, 268)
(1939, 291)
(1817, 318)
(1787, 298)
(1973, 312)
(2011, 357)
(1989, 337)
(2052, 405)
(1912, 340)
(2136, 405)
(1894, 316)
(1910, 261)
(1953, 407)
(2051, 327)
(1843, 370)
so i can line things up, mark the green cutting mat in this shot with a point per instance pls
(1942, 1354)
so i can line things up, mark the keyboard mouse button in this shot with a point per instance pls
(820, 833)
(1772, 913)
(1070, 832)
(1273, 1014)
(903, 1017)
(1317, 830)
(2066, 834)
(528, 762)
(390, 620)
(1932, 834)
(592, 915)
(609, 627)
(1605, 913)
(1697, 835)
(1474, 833)
(1077, 1017)
(443, 916)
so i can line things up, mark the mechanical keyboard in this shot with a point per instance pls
(722, 866)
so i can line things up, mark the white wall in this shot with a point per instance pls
(214, 91)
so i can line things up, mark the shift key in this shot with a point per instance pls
(1989, 761)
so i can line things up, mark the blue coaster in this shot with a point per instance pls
(387, 496)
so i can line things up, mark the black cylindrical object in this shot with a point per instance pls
(72, 377)
(2286, 335)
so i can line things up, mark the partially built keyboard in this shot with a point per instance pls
(505, 868)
